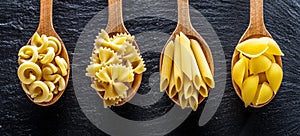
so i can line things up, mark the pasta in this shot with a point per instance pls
(41, 71)
(256, 73)
(250, 84)
(274, 76)
(183, 72)
(177, 64)
(264, 94)
(253, 47)
(259, 64)
(168, 65)
(202, 63)
(113, 65)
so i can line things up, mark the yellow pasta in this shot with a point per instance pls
(55, 44)
(187, 87)
(45, 91)
(28, 53)
(274, 76)
(203, 90)
(238, 71)
(61, 64)
(259, 64)
(249, 89)
(182, 101)
(186, 56)
(183, 60)
(177, 65)
(49, 56)
(40, 74)
(273, 47)
(34, 72)
(202, 63)
(264, 94)
(253, 47)
(193, 100)
(172, 88)
(262, 64)
(167, 66)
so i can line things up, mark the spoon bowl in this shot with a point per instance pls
(114, 26)
(46, 27)
(256, 29)
(184, 25)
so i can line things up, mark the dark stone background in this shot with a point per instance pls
(229, 18)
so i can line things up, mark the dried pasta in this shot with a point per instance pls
(41, 70)
(113, 64)
(168, 65)
(256, 73)
(182, 74)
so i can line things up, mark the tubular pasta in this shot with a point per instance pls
(186, 56)
(172, 88)
(182, 101)
(166, 67)
(193, 100)
(177, 65)
(187, 87)
(202, 63)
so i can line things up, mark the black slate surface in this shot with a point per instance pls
(18, 116)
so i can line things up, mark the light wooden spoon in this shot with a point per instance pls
(184, 25)
(256, 29)
(114, 26)
(46, 27)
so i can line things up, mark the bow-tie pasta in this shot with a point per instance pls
(113, 64)
(42, 71)
(256, 73)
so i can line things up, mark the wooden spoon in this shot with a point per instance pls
(184, 25)
(114, 26)
(256, 29)
(46, 27)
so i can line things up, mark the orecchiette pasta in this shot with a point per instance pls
(185, 73)
(114, 63)
(41, 71)
(256, 72)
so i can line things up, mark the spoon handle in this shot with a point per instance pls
(257, 17)
(115, 18)
(46, 23)
(184, 15)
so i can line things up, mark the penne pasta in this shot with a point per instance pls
(182, 101)
(177, 65)
(186, 56)
(167, 66)
(202, 63)
(187, 87)
(193, 100)
(172, 87)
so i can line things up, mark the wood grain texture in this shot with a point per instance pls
(230, 19)
(46, 27)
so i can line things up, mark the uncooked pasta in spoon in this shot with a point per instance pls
(42, 71)
(113, 65)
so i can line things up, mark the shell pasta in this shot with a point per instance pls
(41, 70)
(184, 74)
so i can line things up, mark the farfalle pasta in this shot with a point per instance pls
(113, 65)
(256, 73)
(185, 74)
(41, 70)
